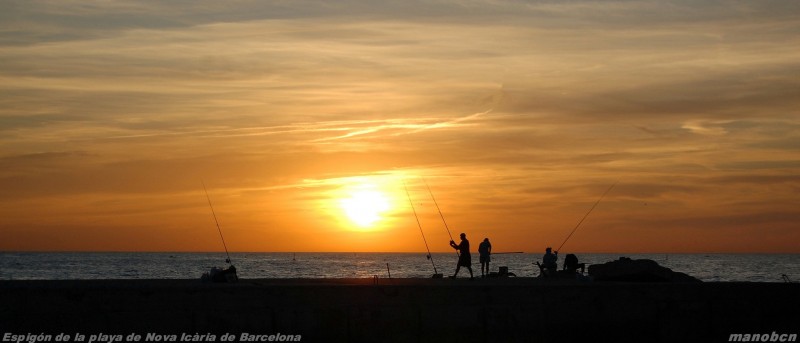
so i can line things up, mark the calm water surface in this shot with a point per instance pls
(19, 266)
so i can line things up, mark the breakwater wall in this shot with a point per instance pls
(398, 310)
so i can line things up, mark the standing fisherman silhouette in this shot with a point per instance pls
(464, 258)
(485, 256)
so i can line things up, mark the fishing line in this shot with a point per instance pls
(440, 212)
(420, 229)
(586, 215)
(228, 260)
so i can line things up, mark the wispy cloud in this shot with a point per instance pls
(516, 110)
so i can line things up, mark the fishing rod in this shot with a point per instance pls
(435, 272)
(227, 260)
(586, 215)
(440, 213)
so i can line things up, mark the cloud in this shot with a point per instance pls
(506, 105)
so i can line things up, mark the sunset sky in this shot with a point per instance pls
(304, 119)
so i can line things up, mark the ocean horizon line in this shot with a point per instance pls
(391, 252)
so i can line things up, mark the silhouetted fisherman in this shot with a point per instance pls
(221, 275)
(550, 261)
(571, 264)
(485, 256)
(464, 258)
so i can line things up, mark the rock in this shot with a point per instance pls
(628, 270)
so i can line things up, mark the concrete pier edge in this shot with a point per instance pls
(402, 310)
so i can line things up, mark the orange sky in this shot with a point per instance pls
(518, 114)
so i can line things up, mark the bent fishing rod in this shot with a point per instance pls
(440, 213)
(435, 272)
(586, 215)
(228, 259)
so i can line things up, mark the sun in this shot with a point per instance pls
(364, 206)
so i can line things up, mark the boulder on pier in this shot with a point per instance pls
(629, 270)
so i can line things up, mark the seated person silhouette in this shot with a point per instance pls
(571, 264)
(550, 261)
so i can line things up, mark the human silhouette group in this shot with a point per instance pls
(549, 265)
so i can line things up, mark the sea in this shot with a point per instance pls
(166, 265)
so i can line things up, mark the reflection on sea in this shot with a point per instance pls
(706, 267)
